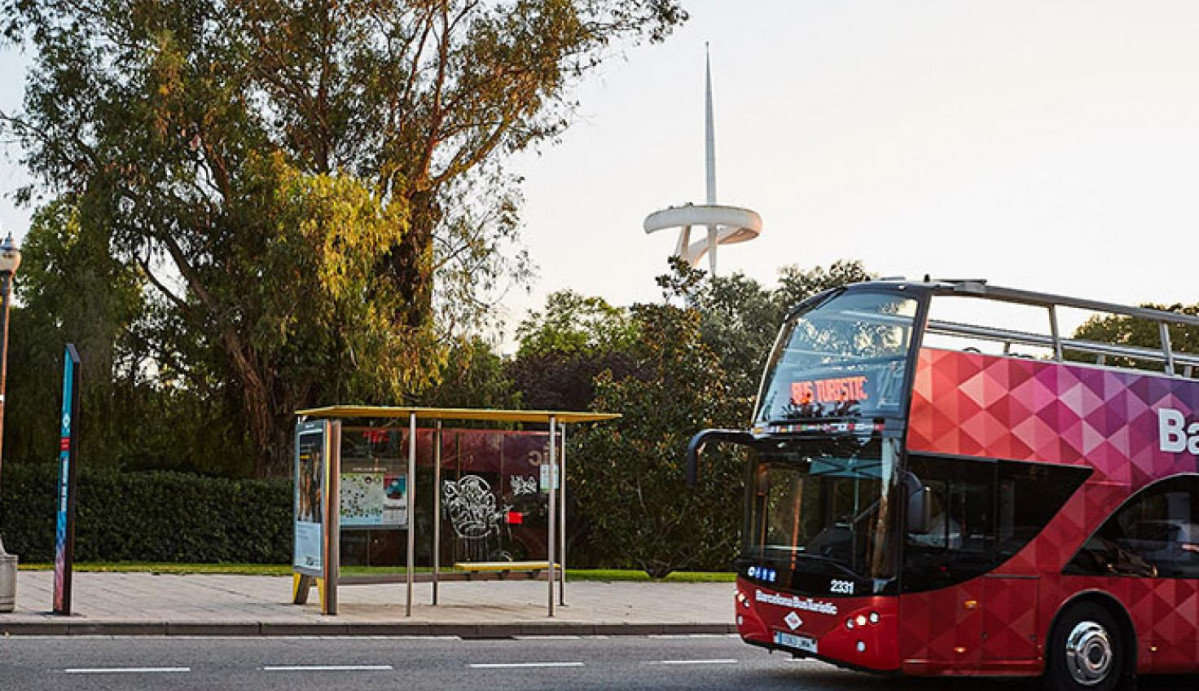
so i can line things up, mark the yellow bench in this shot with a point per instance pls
(503, 568)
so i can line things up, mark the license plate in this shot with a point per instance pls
(790, 640)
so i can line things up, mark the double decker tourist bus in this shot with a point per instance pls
(935, 495)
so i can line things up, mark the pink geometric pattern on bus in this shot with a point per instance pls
(983, 406)
(1028, 410)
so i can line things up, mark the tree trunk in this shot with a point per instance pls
(411, 262)
(269, 411)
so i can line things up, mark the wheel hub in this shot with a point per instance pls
(1089, 653)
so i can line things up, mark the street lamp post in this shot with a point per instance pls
(10, 259)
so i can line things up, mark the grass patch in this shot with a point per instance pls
(161, 567)
(603, 575)
(642, 577)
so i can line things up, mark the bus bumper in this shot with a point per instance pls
(856, 632)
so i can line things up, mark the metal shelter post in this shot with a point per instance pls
(562, 526)
(411, 481)
(332, 522)
(552, 499)
(436, 507)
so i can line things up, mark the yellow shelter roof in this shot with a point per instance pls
(484, 414)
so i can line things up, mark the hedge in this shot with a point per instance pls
(149, 516)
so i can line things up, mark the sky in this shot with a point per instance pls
(1046, 145)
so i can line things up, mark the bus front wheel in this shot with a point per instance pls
(1086, 650)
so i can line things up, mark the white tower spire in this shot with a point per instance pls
(726, 224)
(709, 130)
(710, 154)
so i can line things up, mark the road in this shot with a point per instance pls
(362, 664)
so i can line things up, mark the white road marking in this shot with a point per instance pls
(327, 668)
(721, 661)
(125, 670)
(414, 637)
(520, 665)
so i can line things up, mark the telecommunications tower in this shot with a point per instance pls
(726, 224)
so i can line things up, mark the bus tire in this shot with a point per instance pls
(1087, 650)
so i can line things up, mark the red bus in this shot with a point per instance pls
(918, 505)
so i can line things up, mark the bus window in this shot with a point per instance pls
(982, 513)
(959, 542)
(822, 509)
(844, 357)
(1156, 533)
(1028, 497)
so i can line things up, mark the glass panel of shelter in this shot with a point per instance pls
(493, 507)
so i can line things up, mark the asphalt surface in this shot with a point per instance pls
(693, 662)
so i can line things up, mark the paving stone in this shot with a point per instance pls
(207, 604)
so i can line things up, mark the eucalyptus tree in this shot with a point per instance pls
(292, 176)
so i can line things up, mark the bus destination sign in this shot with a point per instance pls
(834, 390)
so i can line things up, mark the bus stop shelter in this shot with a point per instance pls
(318, 513)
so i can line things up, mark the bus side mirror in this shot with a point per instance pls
(919, 507)
(696, 447)
(919, 511)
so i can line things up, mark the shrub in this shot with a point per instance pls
(149, 516)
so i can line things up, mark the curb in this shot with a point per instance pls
(265, 628)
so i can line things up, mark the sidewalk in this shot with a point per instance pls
(209, 605)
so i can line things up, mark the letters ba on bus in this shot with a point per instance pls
(951, 496)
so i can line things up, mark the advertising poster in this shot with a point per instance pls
(310, 471)
(373, 487)
(395, 500)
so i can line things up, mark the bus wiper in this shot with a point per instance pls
(829, 560)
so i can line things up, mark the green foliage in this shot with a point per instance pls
(291, 178)
(670, 371)
(573, 324)
(72, 291)
(475, 376)
(741, 317)
(627, 475)
(1130, 331)
(155, 516)
(796, 285)
(564, 347)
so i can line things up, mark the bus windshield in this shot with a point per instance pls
(822, 507)
(843, 357)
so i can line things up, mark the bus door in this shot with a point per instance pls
(1009, 607)
(941, 630)
(944, 561)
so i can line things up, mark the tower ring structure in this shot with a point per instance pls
(725, 225)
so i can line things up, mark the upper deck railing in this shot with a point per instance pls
(1171, 359)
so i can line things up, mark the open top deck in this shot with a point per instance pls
(1173, 361)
